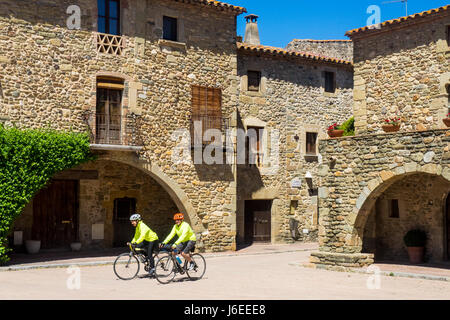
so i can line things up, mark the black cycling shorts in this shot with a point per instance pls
(186, 247)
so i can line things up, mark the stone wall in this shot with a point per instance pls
(291, 102)
(358, 170)
(49, 75)
(402, 72)
(340, 49)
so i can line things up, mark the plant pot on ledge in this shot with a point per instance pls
(335, 133)
(391, 128)
(447, 122)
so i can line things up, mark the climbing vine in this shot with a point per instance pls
(28, 159)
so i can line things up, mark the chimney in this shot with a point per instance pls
(251, 30)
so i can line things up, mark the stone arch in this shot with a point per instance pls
(175, 192)
(375, 188)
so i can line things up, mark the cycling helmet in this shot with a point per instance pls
(178, 216)
(135, 217)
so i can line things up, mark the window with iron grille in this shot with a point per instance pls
(206, 112)
(170, 28)
(109, 16)
(254, 80)
(330, 81)
(311, 143)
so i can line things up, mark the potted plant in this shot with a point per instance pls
(447, 120)
(392, 125)
(415, 241)
(334, 131)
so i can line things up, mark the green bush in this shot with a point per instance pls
(348, 127)
(28, 159)
(415, 238)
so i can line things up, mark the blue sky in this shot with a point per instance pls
(284, 20)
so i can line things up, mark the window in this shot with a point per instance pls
(311, 143)
(330, 81)
(394, 209)
(253, 146)
(170, 28)
(109, 16)
(448, 97)
(254, 80)
(206, 109)
(108, 117)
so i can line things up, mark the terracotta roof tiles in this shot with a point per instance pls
(217, 4)
(290, 53)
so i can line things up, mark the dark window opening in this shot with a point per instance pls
(254, 80)
(170, 28)
(448, 36)
(394, 211)
(253, 146)
(330, 82)
(109, 16)
(311, 143)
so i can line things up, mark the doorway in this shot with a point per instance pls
(123, 230)
(447, 223)
(257, 223)
(55, 214)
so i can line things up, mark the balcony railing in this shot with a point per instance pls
(110, 44)
(201, 124)
(114, 129)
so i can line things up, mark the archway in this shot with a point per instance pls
(397, 205)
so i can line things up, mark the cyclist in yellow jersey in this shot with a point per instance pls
(186, 238)
(144, 237)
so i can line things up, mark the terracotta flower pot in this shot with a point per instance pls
(33, 246)
(336, 133)
(391, 128)
(416, 254)
(447, 122)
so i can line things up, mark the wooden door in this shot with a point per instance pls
(108, 116)
(123, 230)
(261, 226)
(55, 214)
(257, 224)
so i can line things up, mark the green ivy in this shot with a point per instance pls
(28, 159)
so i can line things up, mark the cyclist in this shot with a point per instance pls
(186, 238)
(144, 237)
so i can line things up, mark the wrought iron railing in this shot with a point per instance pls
(199, 125)
(114, 129)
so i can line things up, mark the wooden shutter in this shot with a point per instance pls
(207, 107)
(330, 82)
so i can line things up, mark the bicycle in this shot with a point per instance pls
(168, 266)
(127, 265)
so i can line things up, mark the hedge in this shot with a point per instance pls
(28, 159)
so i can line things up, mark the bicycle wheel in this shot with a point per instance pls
(126, 266)
(165, 270)
(199, 268)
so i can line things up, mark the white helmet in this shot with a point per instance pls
(135, 217)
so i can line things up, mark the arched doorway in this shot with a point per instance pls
(447, 224)
(411, 201)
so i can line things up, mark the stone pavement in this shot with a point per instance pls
(107, 257)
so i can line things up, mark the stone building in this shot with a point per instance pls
(139, 76)
(284, 93)
(375, 187)
(132, 73)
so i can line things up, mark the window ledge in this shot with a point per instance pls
(311, 157)
(172, 44)
(330, 94)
